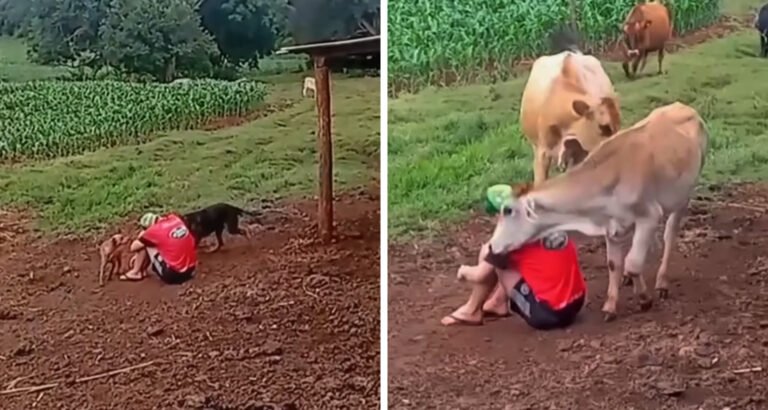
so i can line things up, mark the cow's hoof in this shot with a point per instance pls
(627, 280)
(663, 293)
(646, 303)
(609, 316)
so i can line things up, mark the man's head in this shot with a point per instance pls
(148, 219)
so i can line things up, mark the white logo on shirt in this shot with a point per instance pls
(555, 241)
(179, 232)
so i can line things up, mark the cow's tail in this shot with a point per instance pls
(565, 38)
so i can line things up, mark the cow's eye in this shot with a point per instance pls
(507, 211)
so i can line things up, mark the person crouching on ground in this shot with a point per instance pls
(541, 281)
(167, 246)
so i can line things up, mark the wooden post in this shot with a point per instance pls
(324, 149)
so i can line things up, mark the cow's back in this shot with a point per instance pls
(546, 95)
(661, 155)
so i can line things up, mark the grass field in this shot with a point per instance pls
(14, 65)
(270, 157)
(274, 156)
(447, 145)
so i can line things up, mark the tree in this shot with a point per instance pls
(62, 30)
(244, 30)
(162, 38)
(15, 16)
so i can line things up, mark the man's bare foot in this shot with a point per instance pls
(128, 276)
(497, 304)
(495, 310)
(460, 317)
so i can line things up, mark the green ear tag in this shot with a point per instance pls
(497, 196)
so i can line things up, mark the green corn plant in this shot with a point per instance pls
(48, 119)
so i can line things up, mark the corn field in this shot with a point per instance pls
(48, 119)
(431, 40)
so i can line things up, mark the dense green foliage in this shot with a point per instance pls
(46, 119)
(429, 38)
(166, 39)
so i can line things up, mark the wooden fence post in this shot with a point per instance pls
(324, 149)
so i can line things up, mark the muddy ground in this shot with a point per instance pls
(277, 322)
(706, 347)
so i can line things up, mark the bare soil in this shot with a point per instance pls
(279, 321)
(706, 347)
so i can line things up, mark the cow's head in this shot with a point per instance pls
(633, 32)
(517, 225)
(593, 124)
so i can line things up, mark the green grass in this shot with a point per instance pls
(741, 7)
(274, 156)
(14, 65)
(447, 145)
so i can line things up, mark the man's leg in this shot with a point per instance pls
(138, 270)
(471, 313)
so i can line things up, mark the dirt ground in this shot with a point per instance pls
(706, 347)
(277, 322)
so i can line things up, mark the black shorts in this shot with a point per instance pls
(166, 273)
(538, 314)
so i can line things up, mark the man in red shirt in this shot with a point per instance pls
(541, 282)
(168, 246)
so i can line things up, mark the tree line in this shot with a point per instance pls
(167, 39)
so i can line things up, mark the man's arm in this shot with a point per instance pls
(141, 242)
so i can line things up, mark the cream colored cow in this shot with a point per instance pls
(622, 190)
(568, 107)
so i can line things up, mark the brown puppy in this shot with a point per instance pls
(111, 252)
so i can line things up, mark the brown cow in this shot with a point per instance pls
(568, 107)
(647, 28)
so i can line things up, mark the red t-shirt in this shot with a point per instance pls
(173, 242)
(550, 266)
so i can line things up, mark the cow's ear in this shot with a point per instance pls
(581, 108)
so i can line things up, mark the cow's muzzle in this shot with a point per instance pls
(633, 53)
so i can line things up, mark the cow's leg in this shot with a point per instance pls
(764, 44)
(614, 249)
(661, 59)
(635, 63)
(643, 61)
(635, 260)
(541, 163)
(671, 230)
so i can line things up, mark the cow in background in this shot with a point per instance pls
(647, 28)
